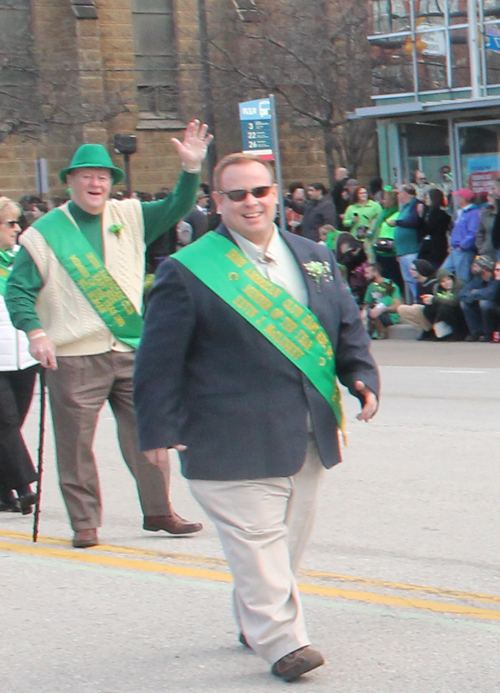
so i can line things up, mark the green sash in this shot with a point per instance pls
(87, 270)
(289, 325)
(6, 260)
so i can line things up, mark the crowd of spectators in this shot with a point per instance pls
(419, 253)
(434, 251)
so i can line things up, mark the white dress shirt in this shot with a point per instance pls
(276, 262)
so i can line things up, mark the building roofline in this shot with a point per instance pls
(415, 107)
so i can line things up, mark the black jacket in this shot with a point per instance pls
(315, 213)
(434, 234)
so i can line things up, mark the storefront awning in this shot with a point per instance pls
(415, 107)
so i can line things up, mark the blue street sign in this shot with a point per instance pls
(492, 39)
(256, 127)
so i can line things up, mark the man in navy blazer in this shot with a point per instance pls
(253, 432)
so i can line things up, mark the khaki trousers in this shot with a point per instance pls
(414, 315)
(78, 390)
(264, 526)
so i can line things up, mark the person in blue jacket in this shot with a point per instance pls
(463, 235)
(478, 297)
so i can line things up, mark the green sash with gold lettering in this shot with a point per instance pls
(87, 270)
(289, 325)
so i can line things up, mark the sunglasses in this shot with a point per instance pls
(240, 195)
(11, 223)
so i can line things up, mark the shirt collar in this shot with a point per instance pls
(254, 252)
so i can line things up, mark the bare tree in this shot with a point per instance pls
(314, 56)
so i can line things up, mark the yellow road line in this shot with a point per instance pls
(203, 573)
(206, 560)
(221, 563)
(116, 562)
(438, 591)
(124, 550)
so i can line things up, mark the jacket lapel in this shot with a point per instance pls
(303, 256)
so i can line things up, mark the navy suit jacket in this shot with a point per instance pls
(207, 379)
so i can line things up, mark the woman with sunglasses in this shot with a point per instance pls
(17, 378)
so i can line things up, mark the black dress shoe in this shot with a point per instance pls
(10, 506)
(26, 500)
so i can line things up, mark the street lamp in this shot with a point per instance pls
(126, 145)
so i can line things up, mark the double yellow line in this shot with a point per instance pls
(454, 602)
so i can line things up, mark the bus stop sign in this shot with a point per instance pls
(256, 128)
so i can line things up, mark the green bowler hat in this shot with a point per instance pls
(92, 156)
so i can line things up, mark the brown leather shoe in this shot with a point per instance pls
(173, 523)
(293, 665)
(84, 538)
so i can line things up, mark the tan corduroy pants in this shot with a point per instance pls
(78, 390)
(264, 526)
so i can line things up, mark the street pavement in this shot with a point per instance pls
(400, 583)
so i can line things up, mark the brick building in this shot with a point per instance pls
(86, 70)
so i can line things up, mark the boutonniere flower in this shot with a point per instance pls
(116, 229)
(319, 271)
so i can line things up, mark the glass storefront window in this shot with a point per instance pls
(491, 8)
(392, 67)
(479, 145)
(492, 52)
(460, 59)
(440, 35)
(431, 11)
(427, 148)
(390, 16)
(431, 57)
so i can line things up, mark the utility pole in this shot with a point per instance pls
(206, 85)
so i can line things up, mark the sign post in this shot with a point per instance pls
(259, 130)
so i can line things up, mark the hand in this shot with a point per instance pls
(392, 222)
(193, 148)
(427, 299)
(42, 349)
(159, 456)
(370, 402)
(376, 311)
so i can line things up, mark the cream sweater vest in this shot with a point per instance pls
(66, 315)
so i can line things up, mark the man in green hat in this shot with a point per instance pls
(76, 290)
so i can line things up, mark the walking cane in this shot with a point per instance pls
(41, 442)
